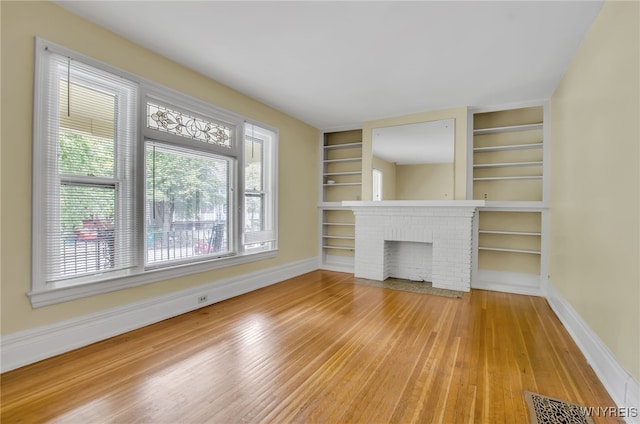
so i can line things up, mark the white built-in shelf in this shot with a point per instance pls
(333, 206)
(512, 128)
(343, 168)
(511, 233)
(514, 206)
(338, 247)
(345, 160)
(341, 184)
(343, 146)
(343, 173)
(504, 249)
(527, 146)
(507, 164)
(519, 177)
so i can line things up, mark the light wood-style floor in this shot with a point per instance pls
(317, 348)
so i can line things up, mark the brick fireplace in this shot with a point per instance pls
(419, 240)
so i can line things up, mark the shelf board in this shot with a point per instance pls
(343, 146)
(508, 147)
(328, 236)
(511, 233)
(520, 177)
(341, 184)
(345, 160)
(334, 206)
(511, 128)
(504, 249)
(343, 173)
(507, 164)
(347, 224)
(514, 206)
(339, 247)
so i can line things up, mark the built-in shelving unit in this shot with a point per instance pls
(341, 180)
(510, 239)
(508, 172)
(508, 154)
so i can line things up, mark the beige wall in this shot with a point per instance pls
(21, 21)
(424, 182)
(594, 249)
(388, 177)
(415, 182)
(460, 154)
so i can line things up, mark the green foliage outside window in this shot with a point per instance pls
(84, 155)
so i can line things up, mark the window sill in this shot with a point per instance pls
(53, 295)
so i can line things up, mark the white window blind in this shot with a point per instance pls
(86, 150)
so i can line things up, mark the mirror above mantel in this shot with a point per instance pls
(419, 157)
(414, 161)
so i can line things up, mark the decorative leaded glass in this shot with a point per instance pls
(173, 122)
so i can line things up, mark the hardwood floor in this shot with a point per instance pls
(317, 348)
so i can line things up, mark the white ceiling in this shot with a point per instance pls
(337, 64)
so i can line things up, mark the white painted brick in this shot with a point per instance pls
(431, 243)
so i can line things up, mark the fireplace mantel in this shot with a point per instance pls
(416, 203)
(449, 226)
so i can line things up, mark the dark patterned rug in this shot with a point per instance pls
(423, 287)
(546, 410)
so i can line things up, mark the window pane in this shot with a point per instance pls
(253, 216)
(84, 151)
(87, 125)
(259, 188)
(253, 184)
(253, 173)
(166, 120)
(83, 242)
(187, 204)
(86, 155)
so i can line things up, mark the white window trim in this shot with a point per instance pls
(63, 294)
(43, 294)
(270, 179)
(377, 178)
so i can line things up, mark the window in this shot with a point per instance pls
(259, 188)
(128, 193)
(187, 204)
(377, 184)
(83, 201)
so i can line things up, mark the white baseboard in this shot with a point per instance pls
(509, 282)
(29, 346)
(622, 387)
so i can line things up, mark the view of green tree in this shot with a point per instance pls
(181, 186)
(87, 156)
